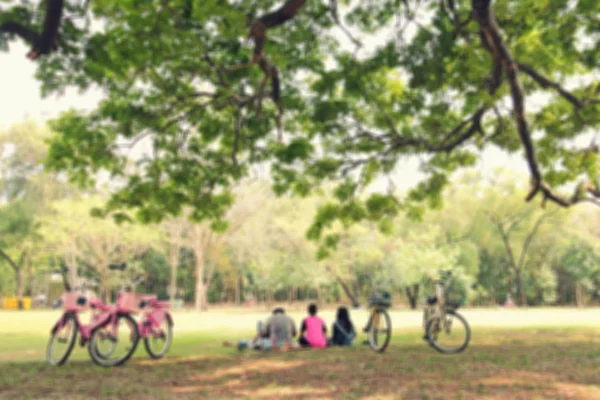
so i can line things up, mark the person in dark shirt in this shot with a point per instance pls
(343, 329)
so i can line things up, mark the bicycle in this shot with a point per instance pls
(379, 321)
(438, 319)
(74, 302)
(128, 303)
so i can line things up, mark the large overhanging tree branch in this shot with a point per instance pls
(42, 43)
(494, 43)
(258, 33)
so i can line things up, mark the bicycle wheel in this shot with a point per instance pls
(103, 344)
(381, 330)
(105, 347)
(163, 338)
(449, 334)
(62, 340)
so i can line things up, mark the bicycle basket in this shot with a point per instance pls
(129, 302)
(455, 298)
(75, 301)
(381, 300)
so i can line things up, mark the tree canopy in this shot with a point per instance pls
(327, 91)
(497, 244)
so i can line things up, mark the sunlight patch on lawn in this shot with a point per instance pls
(574, 390)
(262, 366)
(174, 360)
(276, 390)
(517, 378)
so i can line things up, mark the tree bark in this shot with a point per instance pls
(200, 296)
(18, 270)
(412, 294)
(105, 283)
(174, 261)
(351, 296)
(579, 295)
(238, 291)
(521, 297)
(201, 303)
(19, 283)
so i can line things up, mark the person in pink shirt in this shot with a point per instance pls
(313, 330)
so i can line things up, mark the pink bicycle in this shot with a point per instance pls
(156, 326)
(64, 332)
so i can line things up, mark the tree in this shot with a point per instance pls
(518, 227)
(16, 229)
(517, 261)
(208, 241)
(26, 191)
(358, 252)
(418, 257)
(437, 85)
(577, 259)
(97, 242)
(174, 240)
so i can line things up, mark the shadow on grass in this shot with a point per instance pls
(498, 365)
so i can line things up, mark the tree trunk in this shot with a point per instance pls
(579, 295)
(105, 283)
(173, 284)
(521, 297)
(201, 303)
(200, 297)
(18, 270)
(238, 291)
(73, 262)
(19, 282)
(412, 295)
(355, 290)
(351, 296)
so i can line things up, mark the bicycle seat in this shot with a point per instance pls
(160, 304)
(431, 300)
(147, 300)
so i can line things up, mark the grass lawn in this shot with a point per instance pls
(531, 354)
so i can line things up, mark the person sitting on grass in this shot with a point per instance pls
(313, 330)
(278, 332)
(343, 329)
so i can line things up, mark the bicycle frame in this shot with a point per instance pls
(373, 318)
(100, 315)
(438, 309)
(152, 319)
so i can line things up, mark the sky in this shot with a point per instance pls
(22, 99)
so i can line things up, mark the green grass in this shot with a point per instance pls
(520, 362)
